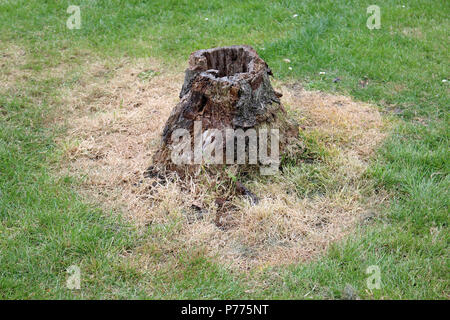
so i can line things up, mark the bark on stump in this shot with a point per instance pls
(227, 87)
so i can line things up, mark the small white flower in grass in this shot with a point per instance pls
(295, 16)
(444, 80)
(290, 68)
(206, 19)
(287, 60)
(322, 72)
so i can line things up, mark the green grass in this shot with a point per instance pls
(45, 227)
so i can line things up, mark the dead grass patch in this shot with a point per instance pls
(12, 60)
(413, 33)
(114, 129)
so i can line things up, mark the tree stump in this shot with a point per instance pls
(224, 88)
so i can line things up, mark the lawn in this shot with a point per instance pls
(402, 68)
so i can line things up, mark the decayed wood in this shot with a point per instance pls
(227, 87)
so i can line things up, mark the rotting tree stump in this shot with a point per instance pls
(225, 88)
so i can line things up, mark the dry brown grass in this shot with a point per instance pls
(413, 33)
(12, 60)
(114, 129)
